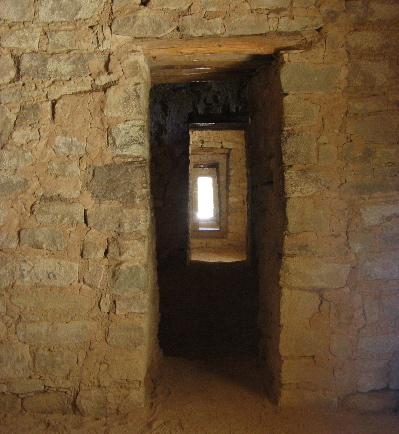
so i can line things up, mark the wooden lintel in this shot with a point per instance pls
(258, 44)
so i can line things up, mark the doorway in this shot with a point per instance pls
(208, 309)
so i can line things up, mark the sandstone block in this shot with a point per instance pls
(94, 275)
(136, 305)
(360, 241)
(7, 69)
(297, 307)
(7, 120)
(341, 346)
(382, 128)
(125, 335)
(70, 40)
(376, 401)
(68, 146)
(172, 4)
(15, 360)
(192, 25)
(7, 272)
(9, 404)
(303, 216)
(301, 341)
(143, 24)
(389, 240)
(92, 403)
(300, 148)
(366, 104)
(299, 112)
(44, 238)
(125, 101)
(12, 160)
(23, 136)
(125, 182)
(40, 301)
(57, 363)
(56, 66)
(304, 182)
(128, 280)
(64, 169)
(73, 332)
(24, 39)
(302, 77)
(29, 114)
(47, 402)
(249, 24)
(382, 344)
(17, 11)
(113, 218)
(305, 370)
(57, 213)
(268, 4)
(299, 23)
(371, 41)
(379, 266)
(26, 386)
(379, 214)
(313, 273)
(8, 240)
(48, 272)
(370, 74)
(123, 248)
(390, 306)
(58, 10)
(92, 250)
(129, 138)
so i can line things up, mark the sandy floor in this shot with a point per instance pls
(209, 397)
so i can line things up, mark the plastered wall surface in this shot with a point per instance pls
(79, 302)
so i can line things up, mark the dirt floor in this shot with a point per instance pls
(212, 397)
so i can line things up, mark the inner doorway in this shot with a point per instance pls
(208, 309)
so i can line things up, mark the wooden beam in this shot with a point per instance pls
(258, 44)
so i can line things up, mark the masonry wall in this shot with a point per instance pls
(77, 247)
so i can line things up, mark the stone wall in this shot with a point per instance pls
(78, 306)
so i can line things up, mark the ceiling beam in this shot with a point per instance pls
(258, 44)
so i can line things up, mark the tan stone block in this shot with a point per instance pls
(305, 370)
(15, 360)
(313, 273)
(47, 402)
(92, 403)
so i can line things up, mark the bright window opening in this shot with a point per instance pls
(206, 204)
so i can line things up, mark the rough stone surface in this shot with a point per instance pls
(92, 403)
(312, 273)
(26, 39)
(376, 401)
(299, 149)
(26, 386)
(125, 335)
(15, 360)
(126, 182)
(128, 280)
(11, 160)
(56, 66)
(57, 363)
(124, 101)
(143, 25)
(246, 25)
(17, 11)
(129, 138)
(11, 184)
(9, 404)
(57, 333)
(376, 128)
(6, 270)
(301, 77)
(303, 216)
(304, 182)
(58, 213)
(44, 238)
(113, 218)
(269, 4)
(47, 402)
(193, 26)
(7, 69)
(58, 10)
(64, 169)
(65, 146)
(7, 120)
(378, 214)
(379, 266)
(49, 272)
(299, 112)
